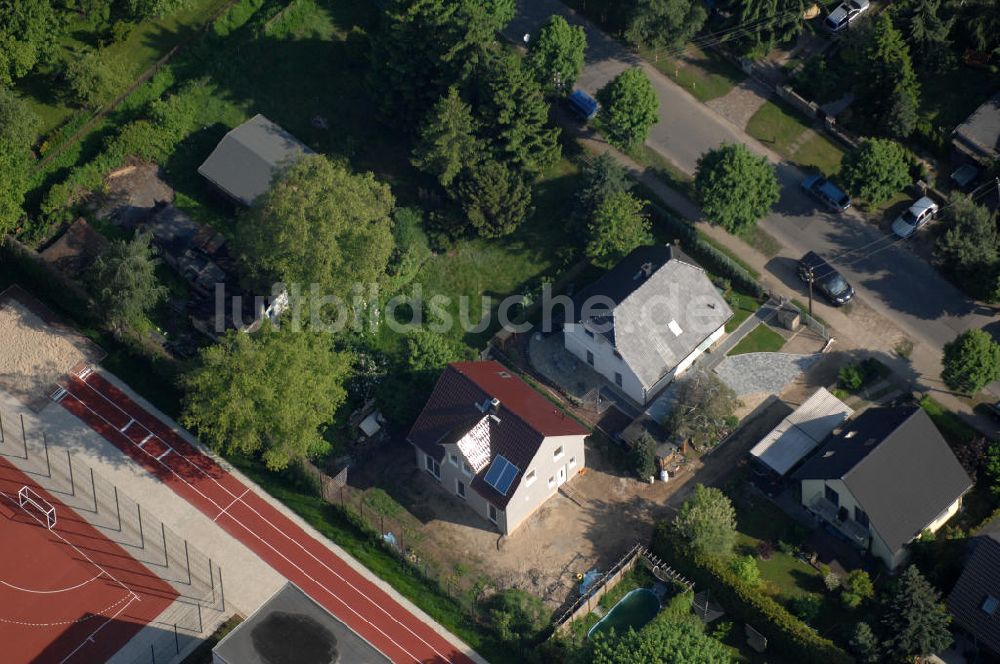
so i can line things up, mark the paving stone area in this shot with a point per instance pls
(740, 103)
(763, 372)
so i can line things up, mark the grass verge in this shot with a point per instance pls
(781, 129)
(761, 340)
(704, 74)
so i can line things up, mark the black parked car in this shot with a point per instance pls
(826, 192)
(826, 280)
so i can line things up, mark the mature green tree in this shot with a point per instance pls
(971, 361)
(767, 24)
(857, 588)
(915, 622)
(970, 248)
(660, 641)
(629, 109)
(124, 284)
(319, 224)
(422, 47)
(735, 187)
(978, 25)
(665, 24)
(991, 468)
(599, 179)
(619, 225)
(876, 170)
(18, 129)
(447, 142)
(929, 36)
(95, 78)
(864, 644)
(703, 413)
(643, 457)
(886, 84)
(706, 522)
(746, 569)
(555, 56)
(429, 352)
(516, 116)
(28, 33)
(143, 9)
(268, 393)
(495, 198)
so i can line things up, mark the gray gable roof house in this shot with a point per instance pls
(975, 600)
(895, 468)
(979, 135)
(245, 161)
(654, 313)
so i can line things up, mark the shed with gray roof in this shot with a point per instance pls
(246, 160)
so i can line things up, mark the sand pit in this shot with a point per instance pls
(35, 353)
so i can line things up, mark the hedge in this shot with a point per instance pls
(783, 631)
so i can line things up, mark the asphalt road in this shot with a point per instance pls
(892, 280)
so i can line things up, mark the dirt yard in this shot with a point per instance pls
(33, 352)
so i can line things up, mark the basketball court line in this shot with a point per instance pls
(51, 592)
(380, 608)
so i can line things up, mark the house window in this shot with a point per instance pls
(832, 496)
(453, 458)
(860, 516)
(618, 379)
(432, 466)
(588, 333)
(493, 514)
(529, 479)
(590, 358)
(990, 605)
(552, 482)
(572, 462)
(558, 453)
(460, 488)
(466, 468)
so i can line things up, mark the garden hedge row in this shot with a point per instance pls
(784, 632)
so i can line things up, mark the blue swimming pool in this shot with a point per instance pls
(634, 610)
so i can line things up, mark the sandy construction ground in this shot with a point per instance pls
(34, 354)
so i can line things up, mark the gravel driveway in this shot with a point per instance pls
(763, 372)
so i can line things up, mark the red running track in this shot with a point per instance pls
(279, 541)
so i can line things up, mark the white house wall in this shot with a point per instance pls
(606, 362)
(528, 497)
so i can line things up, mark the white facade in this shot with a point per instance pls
(814, 489)
(558, 460)
(596, 351)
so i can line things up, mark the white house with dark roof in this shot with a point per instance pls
(974, 602)
(495, 443)
(882, 478)
(247, 158)
(647, 320)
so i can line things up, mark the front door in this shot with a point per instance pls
(562, 476)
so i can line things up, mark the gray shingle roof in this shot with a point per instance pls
(662, 306)
(981, 578)
(246, 159)
(898, 467)
(980, 133)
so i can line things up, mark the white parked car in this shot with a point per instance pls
(845, 14)
(919, 214)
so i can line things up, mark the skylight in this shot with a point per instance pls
(501, 474)
(990, 605)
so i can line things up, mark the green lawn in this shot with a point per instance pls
(761, 340)
(708, 76)
(743, 307)
(780, 128)
(146, 43)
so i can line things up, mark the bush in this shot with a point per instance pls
(517, 617)
(747, 603)
(850, 377)
(644, 457)
(806, 607)
(745, 568)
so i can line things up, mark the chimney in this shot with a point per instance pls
(494, 406)
(645, 271)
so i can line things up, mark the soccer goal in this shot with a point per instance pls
(27, 496)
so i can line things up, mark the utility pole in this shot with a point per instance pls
(810, 277)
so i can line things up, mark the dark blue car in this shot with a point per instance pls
(826, 192)
(582, 105)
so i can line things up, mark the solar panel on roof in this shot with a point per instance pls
(501, 474)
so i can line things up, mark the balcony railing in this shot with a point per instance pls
(826, 510)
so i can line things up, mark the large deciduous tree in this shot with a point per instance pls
(495, 198)
(28, 33)
(447, 142)
(665, 24)
(735, 187)
(969, 248)
(704, 410)
(971, 361)
(619, 225)
(266, 394)
(516, 116)
(555, 56)
(319, 224)
(18, 129)
(629, 109)
(915, 622)
(706, 522)
(876, 170)
(95, 78)
(124, 284)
